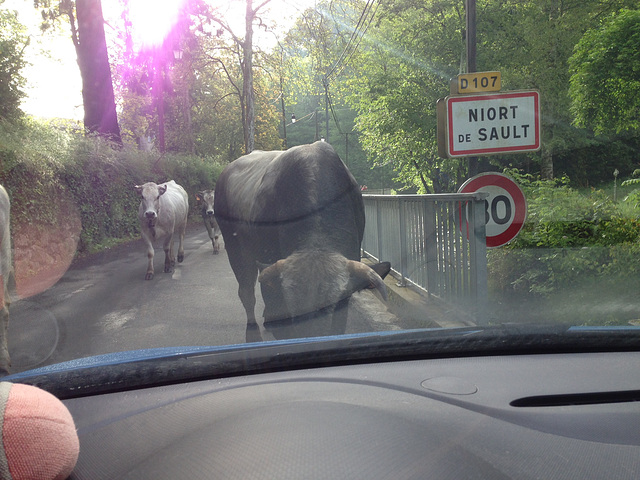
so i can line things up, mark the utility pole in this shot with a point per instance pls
(346, 147)
(284, 117)
(470, 6)
(325, 81)
(317, 130)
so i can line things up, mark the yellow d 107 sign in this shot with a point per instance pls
(476, 83)
(488, 124)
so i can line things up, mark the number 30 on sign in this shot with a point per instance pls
(505, 207)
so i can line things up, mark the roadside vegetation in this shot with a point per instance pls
(50, 168)
(578, 251)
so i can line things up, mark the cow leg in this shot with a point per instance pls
(5, 361)
(216, 248)
(149, 274)
(247, 293)
(213, 234)
(169, 260)
(181, 242)
(216, 244)
(248, 298)
(215, 237)
(246, 273)
(207, 224)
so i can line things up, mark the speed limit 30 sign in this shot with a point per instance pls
(505, 207)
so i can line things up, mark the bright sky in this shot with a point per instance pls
(51, 88)
(51, 91)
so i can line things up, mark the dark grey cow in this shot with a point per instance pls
(6, 274)
(205, 197)
(298, 217)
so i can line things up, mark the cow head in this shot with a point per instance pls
(150, 204)
(206, 198)
(313, 283)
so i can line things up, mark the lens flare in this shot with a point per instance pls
(152, 20)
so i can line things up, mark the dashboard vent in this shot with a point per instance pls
(567, 399)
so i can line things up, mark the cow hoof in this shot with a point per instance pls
(168, 270)
(253, 334)
(148, 276)
(180, 258)
(215, 252)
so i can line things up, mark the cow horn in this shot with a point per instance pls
(368, 276)
(271, 272)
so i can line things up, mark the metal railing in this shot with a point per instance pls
(435, 242)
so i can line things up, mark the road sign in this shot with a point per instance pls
(505, 207)
(492, 123)
(476, 82)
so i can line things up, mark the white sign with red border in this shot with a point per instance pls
(493, 123)
(505, 207)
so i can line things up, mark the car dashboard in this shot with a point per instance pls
(566, 415)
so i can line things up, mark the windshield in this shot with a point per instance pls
(220, 174)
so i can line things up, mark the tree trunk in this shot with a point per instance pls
(546, 158)
(422, 179)
(247, 84)
(97, 89)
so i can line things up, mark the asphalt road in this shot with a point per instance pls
(103, 304)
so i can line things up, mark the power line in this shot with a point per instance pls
(357, 33)
(333, 114)
(353, 51)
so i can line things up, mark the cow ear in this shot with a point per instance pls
(365, 277)
(382, 269)
(161, 189)
(198, 197)
(270, 274)
(138, 188)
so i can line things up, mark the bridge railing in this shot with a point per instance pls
(437, 243)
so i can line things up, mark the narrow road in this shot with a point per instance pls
(102, 304)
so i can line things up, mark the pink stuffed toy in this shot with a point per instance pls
(39, 439)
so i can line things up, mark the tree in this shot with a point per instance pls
(86, 23)
(530, 43)
(605, 81)
(401, 72)
(97, 89)
(205, 103)
(313, 63)
(13, 41)
(247, 96)
(415, 47)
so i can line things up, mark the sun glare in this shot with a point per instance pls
(152, 20)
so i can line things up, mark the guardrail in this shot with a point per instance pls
(435, 242)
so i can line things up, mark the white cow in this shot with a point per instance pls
(6, 272)
(163, 213)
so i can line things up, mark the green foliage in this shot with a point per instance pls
(401, 72)
(605, 86)
(48, 169)
(559, 216)
(624, 261)
(569, 239)
(410, 51)
(13, 40)
(633, 198)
